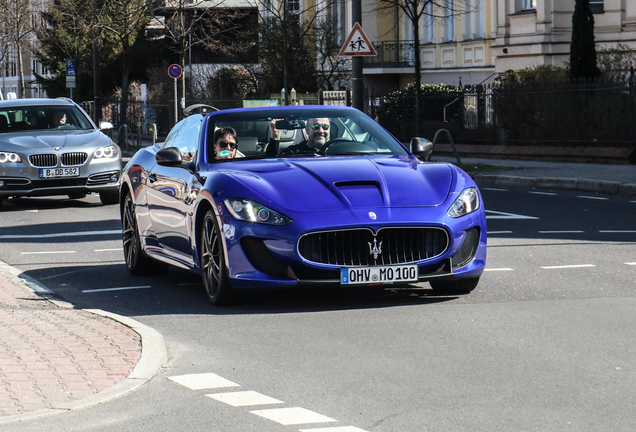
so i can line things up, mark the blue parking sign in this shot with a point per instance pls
(70, 68)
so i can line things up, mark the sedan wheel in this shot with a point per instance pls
(136, 262)
(215, 279)
(454, 287)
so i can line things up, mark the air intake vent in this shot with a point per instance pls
(359, 247)
(43, 160)
(71, 159)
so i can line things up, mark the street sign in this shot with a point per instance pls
(357, 44)
(175, 71)
(71, 72)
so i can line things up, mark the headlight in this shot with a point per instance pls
(467, 202)
(106, 152)
(6, 157)
(250, 211)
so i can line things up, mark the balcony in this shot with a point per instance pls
(392, 55)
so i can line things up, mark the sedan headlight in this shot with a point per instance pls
(6, 157)
(251, 211)
(106, 152)
(467, 202)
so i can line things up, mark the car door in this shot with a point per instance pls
(171, 192)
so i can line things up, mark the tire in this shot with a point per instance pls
(136, 262)
(454, 287)
(109, 198)
(212, 258)
(78, 195)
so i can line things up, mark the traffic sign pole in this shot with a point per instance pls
(175, 71)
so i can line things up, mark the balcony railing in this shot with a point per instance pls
(392, 55)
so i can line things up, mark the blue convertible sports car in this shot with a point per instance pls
(312, 195)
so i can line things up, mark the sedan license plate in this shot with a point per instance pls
(381, 274)
(59, 172)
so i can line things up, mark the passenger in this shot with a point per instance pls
(317, 132)
(225, 143)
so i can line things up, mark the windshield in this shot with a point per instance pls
(42, 117)
(321, 131)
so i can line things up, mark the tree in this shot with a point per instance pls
(583, 48)
(334, 70)
(414, 10)
(19, 27)
(200, 25)
(288, 45)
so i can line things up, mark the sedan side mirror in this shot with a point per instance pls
(170, 156)
(421, 147)
(104, 125)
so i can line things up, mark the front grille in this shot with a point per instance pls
(43, 160)
(61, 182)
(356, 247)
(73, 159)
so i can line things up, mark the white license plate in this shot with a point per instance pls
(59, 172)
(381, 274)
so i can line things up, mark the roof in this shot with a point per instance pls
(34, 102)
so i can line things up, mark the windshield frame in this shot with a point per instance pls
(263, 115)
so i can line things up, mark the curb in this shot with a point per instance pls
(153, 353)
(581, 185)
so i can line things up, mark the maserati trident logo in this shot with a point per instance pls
(375, 249)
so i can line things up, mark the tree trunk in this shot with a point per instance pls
(125, 75)
(21, 85)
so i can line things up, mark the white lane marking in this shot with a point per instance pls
(69, 234)
(293, 416)
(631, 263)
(110, 250)
(64, 274)
(568, 266)
(499, 232)
(592, 197)
(499, 269)
(617, 231)
(502, 215)
(115, 289)
(189, 284)
(495, 189)
(543, 193)
(561, 232)
(202, 381)
(244, 398)
(47, 252)
(335, 429)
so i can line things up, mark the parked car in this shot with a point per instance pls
(52, 147)
(362, 210)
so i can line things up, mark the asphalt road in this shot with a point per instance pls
(545, 342)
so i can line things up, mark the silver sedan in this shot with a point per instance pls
(52, 147)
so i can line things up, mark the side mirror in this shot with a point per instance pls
(421, 147)
(104, 125)
(170, 156)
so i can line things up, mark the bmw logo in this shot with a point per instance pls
(58, 148)
(373, 215)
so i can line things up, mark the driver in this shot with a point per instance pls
(58, 118)
(317, 132)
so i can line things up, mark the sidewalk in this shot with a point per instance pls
(584, 177)
(55, 358)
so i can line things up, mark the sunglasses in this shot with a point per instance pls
(318, 126)
(224, 144)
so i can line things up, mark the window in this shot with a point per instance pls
(293, 5)
(529, 4)
(429, 22)
(597, 6)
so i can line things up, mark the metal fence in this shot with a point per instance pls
(602, 113)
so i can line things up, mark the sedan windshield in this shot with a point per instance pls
(300, 132)
(42, 117)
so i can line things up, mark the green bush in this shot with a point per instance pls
(397, 111)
